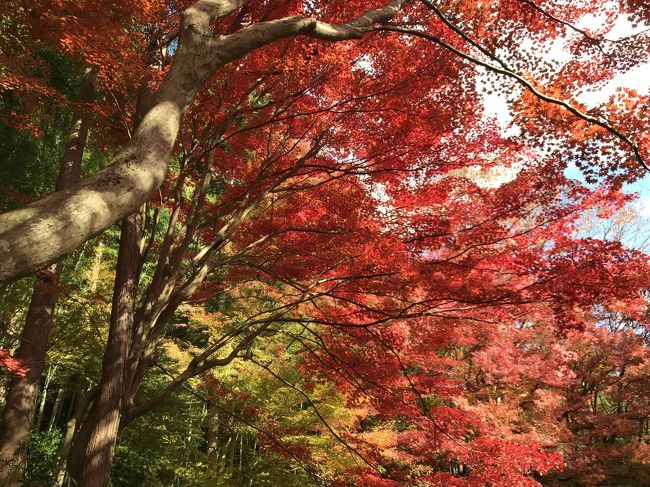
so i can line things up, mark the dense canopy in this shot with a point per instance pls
(283, 242)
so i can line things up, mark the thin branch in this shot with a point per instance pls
(318, 413)
(525, 83)
(595, 40)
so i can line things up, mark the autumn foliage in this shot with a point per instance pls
(347, 254)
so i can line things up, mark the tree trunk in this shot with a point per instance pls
(92, 452)
(41, 404)
(92, 449)
(80, 404)
(96, 267)
(56, 410)
(23, 391)
(56, 225)
(212, 436)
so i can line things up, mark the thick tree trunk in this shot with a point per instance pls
(92, 447)
(56, 225)
(18, 413)
(92, 452)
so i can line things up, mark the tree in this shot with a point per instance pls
(22, 393)
(124, 186)
(139, 170)
(336, 197)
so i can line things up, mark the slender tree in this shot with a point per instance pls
(22, 393)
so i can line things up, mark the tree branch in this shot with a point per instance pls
(525, 83)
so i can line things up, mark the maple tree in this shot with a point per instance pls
(337, 196)
(121, 188)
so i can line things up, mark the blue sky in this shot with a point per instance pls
(641, 188)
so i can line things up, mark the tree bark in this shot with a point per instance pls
(52, 227)
(23, 391)
(92, 447)
(92, 452)
(18, 413)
